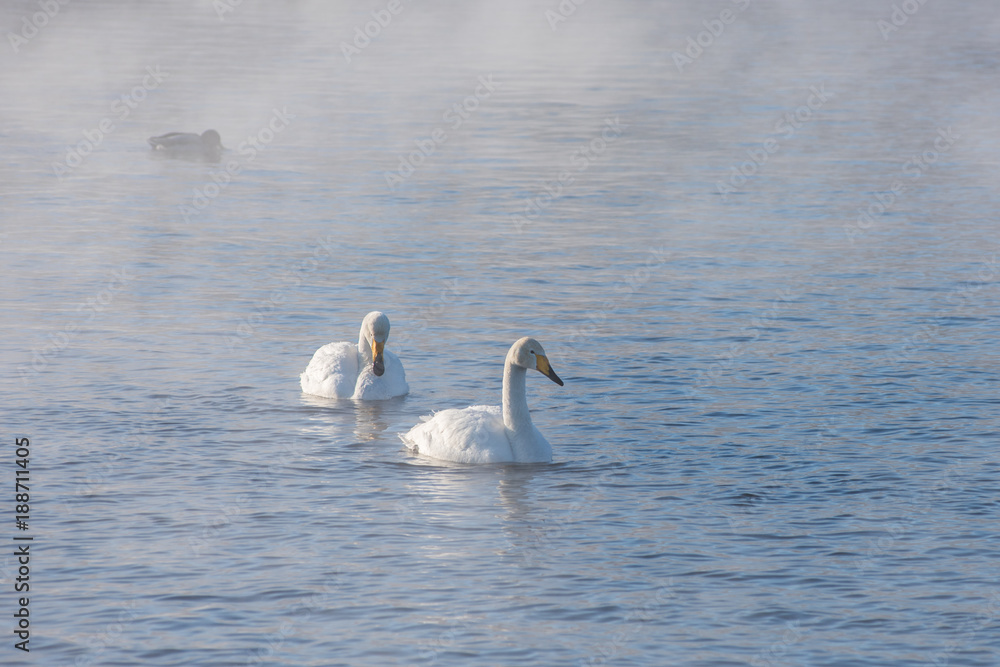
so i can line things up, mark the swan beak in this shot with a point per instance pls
(378, 363)
(542, 364)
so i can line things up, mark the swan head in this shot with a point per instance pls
(528, 353)
(375, 332)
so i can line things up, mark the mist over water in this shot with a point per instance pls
(758, 241)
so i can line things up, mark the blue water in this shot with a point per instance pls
(765, 265)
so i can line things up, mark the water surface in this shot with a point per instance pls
(768, 277)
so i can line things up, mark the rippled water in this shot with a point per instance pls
(758, 241)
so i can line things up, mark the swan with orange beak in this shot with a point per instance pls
(367, 371)
(490, 433)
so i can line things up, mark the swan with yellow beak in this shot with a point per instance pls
(365, 372)
(491, 433)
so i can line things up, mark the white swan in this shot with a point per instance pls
(488, 433)
(367, 371)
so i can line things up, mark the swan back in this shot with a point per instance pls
(332, 372)
(473, 435)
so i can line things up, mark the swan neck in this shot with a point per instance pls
(364, 346)
(516, 416)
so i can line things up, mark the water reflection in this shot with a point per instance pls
(368, 420)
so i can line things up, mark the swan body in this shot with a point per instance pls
(366, 371)
(207, 145)
(490, 433)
